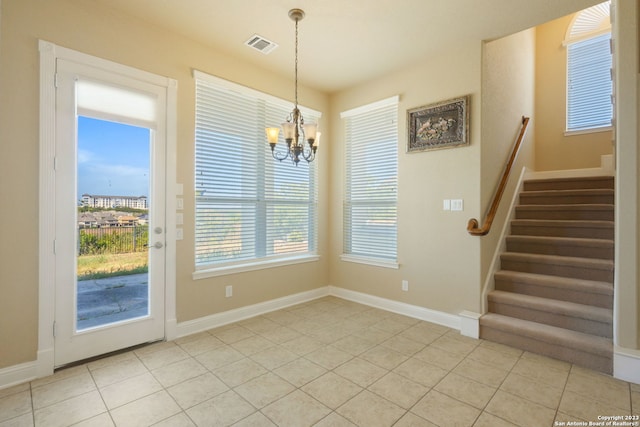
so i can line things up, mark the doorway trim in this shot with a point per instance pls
(49, 54)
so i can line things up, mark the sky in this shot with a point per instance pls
(113, 158)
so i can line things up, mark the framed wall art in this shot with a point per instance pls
(441, 125)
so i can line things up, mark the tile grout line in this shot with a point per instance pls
(498, 389)
(308, 333)
(33, 411)
(101, 397)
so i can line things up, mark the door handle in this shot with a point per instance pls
(157, 245)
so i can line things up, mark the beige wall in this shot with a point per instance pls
(554, 151)
(436, 255)
(88, 28)
(508, 85)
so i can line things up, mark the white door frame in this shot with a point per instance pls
(49, 53)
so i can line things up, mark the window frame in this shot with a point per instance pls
(586, 26)
(258, 261)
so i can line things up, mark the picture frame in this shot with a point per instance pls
(441, 125)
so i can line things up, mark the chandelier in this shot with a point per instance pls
(296, 131)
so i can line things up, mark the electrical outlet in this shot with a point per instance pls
(228, 291)
(405, 285)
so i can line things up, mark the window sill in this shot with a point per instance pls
(252, 266)
(587, 131)
(370, 261)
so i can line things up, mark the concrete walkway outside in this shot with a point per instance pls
(104, 301)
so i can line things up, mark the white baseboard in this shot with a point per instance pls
(171, 329)
(220, 319)
(433, 316)
(231, 316)
(626, 364)
(18, 374)
(45, 362)
(470, 324)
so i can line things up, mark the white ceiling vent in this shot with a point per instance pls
(261, 44)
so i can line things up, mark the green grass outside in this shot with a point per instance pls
(110, 265)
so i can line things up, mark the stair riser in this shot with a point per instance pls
(586, 232)
(586, 298)
(569, 199)
(579, 356)
(578, 272)
(586, 326)
(582, 184)
(566, 215)
(605, 252)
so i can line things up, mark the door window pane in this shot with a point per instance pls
(112, 222)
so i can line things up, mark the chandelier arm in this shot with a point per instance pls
(280, 156)
(308, 154)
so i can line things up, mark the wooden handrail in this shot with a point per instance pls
(472, 226)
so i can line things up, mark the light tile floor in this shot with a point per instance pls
(329, 362)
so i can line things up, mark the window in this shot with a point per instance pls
(371, 193)
(250, 208)
(589, 60)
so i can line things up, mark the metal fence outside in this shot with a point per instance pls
(113, 240)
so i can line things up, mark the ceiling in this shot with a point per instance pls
(345, 42)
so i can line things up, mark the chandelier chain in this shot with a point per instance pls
(296, 65)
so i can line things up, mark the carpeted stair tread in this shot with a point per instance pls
(569, 183)
(561, 337)
(563, 228)
(563, 308)
(562, 246)
(564, 223)
(566, 197)
(587, 212)
(565, 283)
(598, 264)
(564, 266)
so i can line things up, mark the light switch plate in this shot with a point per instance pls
(179, 218)
(457, 205)
(179, 234)
(179, 203)
(446, 205)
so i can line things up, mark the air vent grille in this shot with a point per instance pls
(261, 44)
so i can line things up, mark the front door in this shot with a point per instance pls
(109, 210)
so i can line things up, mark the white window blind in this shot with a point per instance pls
(110, 102)
(370, 211)
(249, 206)
(589, 83)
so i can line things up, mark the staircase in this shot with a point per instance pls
(554, 292)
